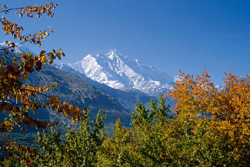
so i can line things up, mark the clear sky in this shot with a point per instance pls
(168, 34)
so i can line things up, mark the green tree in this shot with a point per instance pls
(78, 149)
(142, 145)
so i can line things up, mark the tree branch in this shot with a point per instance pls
(7, 10)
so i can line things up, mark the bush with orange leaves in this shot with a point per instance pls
(210, 127)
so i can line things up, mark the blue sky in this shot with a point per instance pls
(168, 34)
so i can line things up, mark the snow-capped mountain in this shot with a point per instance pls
(120, 72)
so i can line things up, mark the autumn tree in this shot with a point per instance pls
(18, 100)
(216, 121)
(15, 70)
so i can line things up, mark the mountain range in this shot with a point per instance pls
(120, 72)
(110, 81)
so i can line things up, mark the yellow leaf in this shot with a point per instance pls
(44, 59)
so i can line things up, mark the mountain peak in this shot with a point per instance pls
(113, 54)
(120, 72)
(113, 51)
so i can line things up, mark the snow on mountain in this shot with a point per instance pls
(18, 49)
(120, 72)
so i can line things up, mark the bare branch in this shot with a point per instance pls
(7, 10)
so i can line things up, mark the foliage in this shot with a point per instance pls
(78, 149)
(142, 145)
(198, 134)
(210, 128)
(18, 100)
(223, 138)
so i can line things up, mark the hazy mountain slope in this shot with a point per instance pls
(245, 80)
(77, 91)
